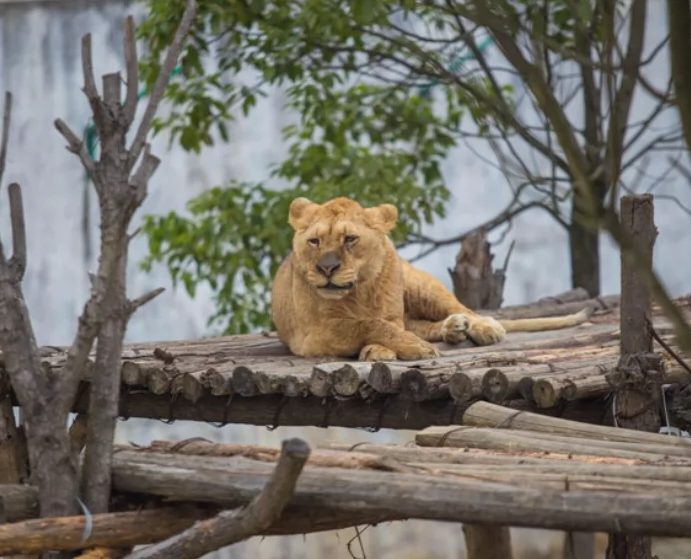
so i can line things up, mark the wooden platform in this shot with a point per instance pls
(254, 379)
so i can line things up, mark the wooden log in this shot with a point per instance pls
(158, 380)
(244, 381)
(445, 498)
(267, 383)
(485, 414)
(321, 380)
(548, 390)
(133, 374)
(463, 462)
(348, 377)
(21, 503)
(501, 384)
(296, 385)
(108, 530)
(579, 389)
(385, 378)
(539, 310)
(396, 412)
(467, 459)
(420, 385)
(465, 386)
(193, 385)
(152, 525)
(175, 387)
(526, 441)
(219, 382)
(322, 459)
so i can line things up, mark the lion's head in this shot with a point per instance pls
(340, 244)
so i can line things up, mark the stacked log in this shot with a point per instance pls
(217, 379)
(500, 467)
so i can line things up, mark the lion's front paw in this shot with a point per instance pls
(376, 352)
(418, 350)
(485, 330)
(454, 328)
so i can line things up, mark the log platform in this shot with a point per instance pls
(253, 379)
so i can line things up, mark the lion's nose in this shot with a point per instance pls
(328, 264)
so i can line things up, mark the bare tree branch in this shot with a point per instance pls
(75, 145)
(130, 47)
(17, 263)
(4, 141)
(229, 527)
(162, 82)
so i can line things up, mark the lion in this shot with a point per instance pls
(343, 291)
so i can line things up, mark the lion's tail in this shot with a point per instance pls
(545, 324)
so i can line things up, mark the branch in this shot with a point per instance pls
(89, 88)
(229, 527)
(18, 261)
(130, 48)
(621, 105)
(162, 82)
(135, 304)
(75, 145)
(7, 115)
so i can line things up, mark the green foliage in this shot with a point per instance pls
(363, 130)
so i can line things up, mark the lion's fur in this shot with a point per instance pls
(392, 310)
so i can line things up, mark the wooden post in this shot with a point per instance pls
(477, 286)
(487, 542)
(636, 380)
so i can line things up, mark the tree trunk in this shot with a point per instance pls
(585, 257)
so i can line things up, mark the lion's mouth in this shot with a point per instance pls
(334, 287)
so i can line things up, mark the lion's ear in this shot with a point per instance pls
(382, 217)
(299, 212)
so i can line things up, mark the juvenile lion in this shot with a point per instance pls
(344, 291)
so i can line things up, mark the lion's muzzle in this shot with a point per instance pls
(328, 264)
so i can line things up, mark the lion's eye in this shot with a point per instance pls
(349, 239)
(314, 242)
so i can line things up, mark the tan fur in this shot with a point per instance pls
(391, 311)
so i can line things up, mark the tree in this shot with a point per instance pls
(120, 177)
(360, 75)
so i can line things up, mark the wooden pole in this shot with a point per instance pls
(637, 378)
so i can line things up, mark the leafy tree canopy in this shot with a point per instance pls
(367, 129)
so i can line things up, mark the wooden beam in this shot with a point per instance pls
(393, 412)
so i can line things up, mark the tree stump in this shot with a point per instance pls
(475, 283)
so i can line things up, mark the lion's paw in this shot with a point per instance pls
(454, 328)
(418, 350)
(376, 352)
(485, 330)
